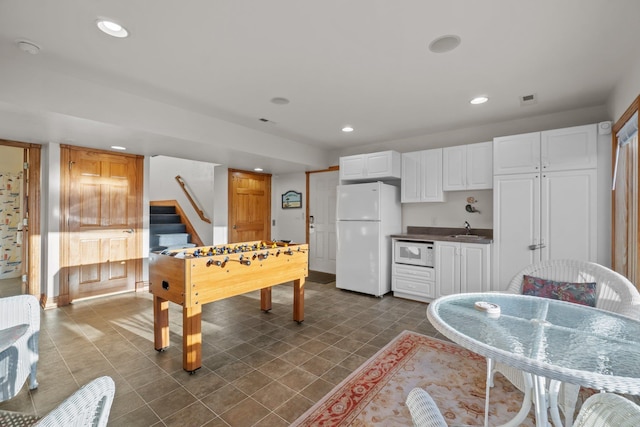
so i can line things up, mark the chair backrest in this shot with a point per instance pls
(608, 410)
(424, 411)
(89, 406)
(614, 292)
(19, 309)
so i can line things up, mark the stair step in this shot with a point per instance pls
(172, 248)
(167, 228)
(162, 209)
(164, 218)
(173, 239)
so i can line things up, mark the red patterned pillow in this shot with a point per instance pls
(579, 293)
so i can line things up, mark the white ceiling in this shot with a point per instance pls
(195, 76)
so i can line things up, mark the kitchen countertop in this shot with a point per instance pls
(447, 234)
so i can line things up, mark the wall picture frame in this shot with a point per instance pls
(291, 200)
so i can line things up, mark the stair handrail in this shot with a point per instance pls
(199, 211)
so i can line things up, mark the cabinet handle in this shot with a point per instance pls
(538, 246)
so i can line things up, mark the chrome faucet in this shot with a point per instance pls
(468, 227)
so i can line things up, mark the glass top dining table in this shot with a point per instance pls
(547, 338)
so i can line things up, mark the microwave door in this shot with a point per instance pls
(413, 254)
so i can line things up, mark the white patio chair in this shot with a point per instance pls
(424, 411)
(608, 410)
(19, 360)
(614, 293)
(599, 410)
(89, 406)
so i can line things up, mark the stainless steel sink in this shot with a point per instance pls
(466, 236)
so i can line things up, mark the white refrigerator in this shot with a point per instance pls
(367, 214)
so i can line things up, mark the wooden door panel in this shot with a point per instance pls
(89, 205)
(118, 206)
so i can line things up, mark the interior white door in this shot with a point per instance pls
(322, 221)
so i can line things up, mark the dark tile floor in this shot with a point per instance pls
(259, 369)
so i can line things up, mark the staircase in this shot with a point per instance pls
(166, 229)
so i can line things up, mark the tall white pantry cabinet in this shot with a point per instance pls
(544, 199)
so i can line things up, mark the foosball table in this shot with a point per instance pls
(196, 276)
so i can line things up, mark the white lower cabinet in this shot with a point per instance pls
(462, 267)
(413, 282)
(459, 267)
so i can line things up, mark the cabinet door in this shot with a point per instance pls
(516, 154)
(454, 168)
(411, 188)
(447, 268)
(480, 166)
(516, 225)
(474, 267)
(432, 176)
(569, 148)
(385, 164)
(569, 209)
(352, 167)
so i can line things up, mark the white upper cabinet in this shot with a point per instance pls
(454, 168)
(516, 154)
(468, 167)
(371, 166)
(560, 149)
(422, 176)
(569, 149)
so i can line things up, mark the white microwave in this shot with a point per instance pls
(413, 253)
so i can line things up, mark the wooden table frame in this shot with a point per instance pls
(194, 281)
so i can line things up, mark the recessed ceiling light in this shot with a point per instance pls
(444, 44)
(279, 100)
(112, 28)
(29, 47)
(118, 147)
(347, 129)
(479, 100)
(258, 169)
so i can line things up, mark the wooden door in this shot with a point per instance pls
(101, 245)
(249, 206)
(322, 196)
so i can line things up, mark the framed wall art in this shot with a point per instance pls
(291, 200)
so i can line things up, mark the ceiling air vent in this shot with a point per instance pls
(528, 99)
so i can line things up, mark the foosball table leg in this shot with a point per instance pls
(192, 338)
(265, 299)
(160, 323)
(298, 300)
